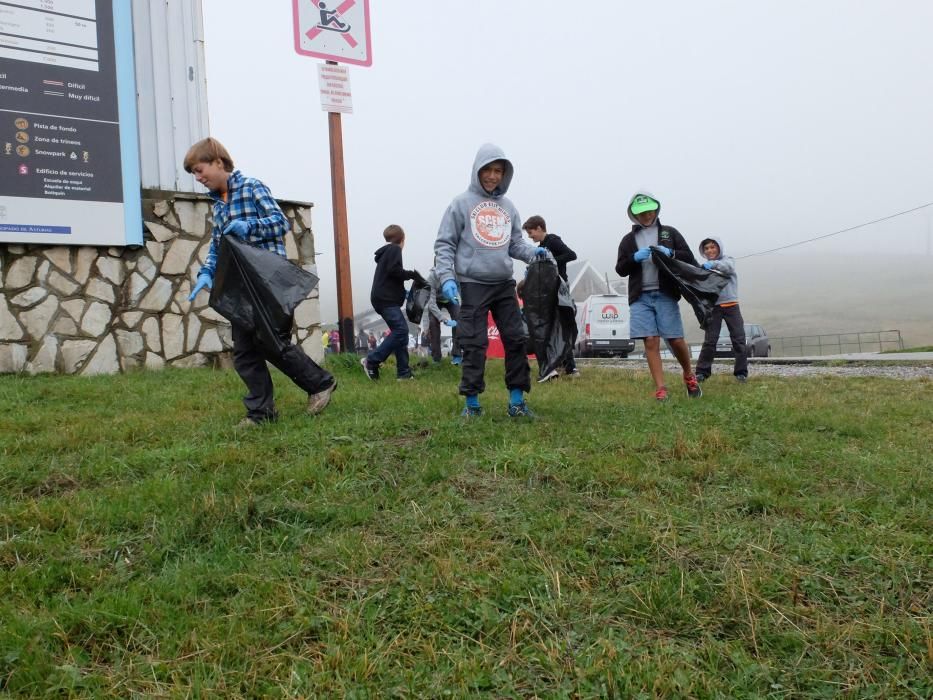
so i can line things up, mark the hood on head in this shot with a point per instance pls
(646, 193)
(715, 240)
(486, 154)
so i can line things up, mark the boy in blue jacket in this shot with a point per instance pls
(726, 309)
(244, 207)
(478, 237)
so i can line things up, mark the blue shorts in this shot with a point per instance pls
(655, 314)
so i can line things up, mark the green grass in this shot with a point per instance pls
(769, 540)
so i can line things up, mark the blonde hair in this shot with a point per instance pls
(207, 151)
(394, 234)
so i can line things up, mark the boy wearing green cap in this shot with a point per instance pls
(653, 298)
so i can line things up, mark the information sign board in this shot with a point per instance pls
(69, 163)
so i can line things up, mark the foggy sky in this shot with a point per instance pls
(761, 122)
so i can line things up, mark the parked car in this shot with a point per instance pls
(756, 342)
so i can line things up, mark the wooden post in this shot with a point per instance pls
(341, 236)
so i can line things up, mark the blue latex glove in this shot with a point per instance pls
(541, 252)
(450, 322)
(642, 255)
(204, 280)
(238, 227)
(664, 249)
(708, 265)
(450, 291)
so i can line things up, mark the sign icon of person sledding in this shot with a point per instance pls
(330, 21)
(335, 30)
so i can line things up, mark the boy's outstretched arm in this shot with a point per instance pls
(445, 245)
(561, 251)
(271, 222)
(519, 248)
(724, 265)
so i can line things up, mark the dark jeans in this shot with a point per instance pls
(733, 318)
(434, 331)
(396, 342)
(249, 359)
(477, 301)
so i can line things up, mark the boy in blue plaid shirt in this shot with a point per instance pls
(244, 207)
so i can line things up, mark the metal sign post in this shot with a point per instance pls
(338, 31)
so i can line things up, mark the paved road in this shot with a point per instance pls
(907, 365)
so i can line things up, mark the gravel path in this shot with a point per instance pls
(862, 369)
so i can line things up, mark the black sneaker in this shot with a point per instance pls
(471, 412)
(741, 378)
(702, 377)
(520, 410)
(405, 377)
(371, 372)
(693, 387)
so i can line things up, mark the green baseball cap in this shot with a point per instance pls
(643, 203)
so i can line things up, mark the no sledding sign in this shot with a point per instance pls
(335, 30)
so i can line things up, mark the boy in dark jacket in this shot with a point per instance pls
(653, 298)
(537, 231)
(244, 207)
(387, 297)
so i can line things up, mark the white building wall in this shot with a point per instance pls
(171, 85)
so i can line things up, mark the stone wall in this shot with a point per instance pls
(89, 310)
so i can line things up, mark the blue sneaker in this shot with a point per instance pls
(456, 360)
(471, 412)
(520, 410)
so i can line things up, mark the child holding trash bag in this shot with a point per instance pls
(726, 309)
(387, 296)
(479, 235)
(536, 228)
(244, 207)
(441, 310)
(652, 297)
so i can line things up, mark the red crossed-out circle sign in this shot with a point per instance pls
(335, 30)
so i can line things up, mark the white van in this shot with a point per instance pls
(603, 327)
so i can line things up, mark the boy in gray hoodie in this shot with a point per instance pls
(727, 308)
(478, 237)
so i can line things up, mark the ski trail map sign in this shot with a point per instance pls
(69, 154)
(335, 30)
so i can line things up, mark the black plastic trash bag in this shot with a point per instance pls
(258, 290)
(550, 315)
(699, 287)
(417, 300)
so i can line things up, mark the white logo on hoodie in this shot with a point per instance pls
(491, 224)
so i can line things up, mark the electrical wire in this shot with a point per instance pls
(836, 233)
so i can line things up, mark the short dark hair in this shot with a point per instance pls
(534, 222)
(207, 151)
(394, 234)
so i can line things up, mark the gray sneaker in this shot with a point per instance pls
(318, 402)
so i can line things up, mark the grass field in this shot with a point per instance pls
(769, 540)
